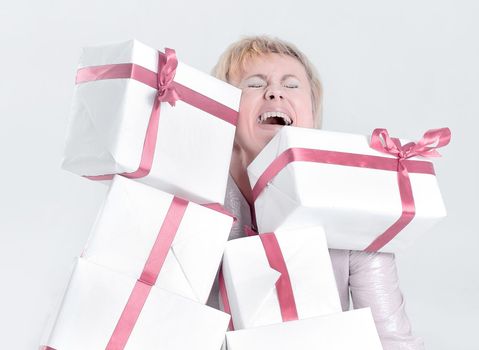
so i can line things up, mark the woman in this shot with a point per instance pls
(281, 87)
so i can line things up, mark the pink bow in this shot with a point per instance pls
(167, 64)
(425, 147)
(168, 91)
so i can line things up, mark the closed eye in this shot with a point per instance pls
(290, 82)
(255, 82)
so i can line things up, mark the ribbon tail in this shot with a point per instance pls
(170, 96)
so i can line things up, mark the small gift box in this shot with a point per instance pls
(271, 278)
(141, 230)
(103, 309)
(143, 114)
(368, 194)
(340, 331)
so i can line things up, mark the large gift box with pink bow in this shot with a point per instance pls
(161, 239)
(145, 114)
(104, 309)
(369, 193)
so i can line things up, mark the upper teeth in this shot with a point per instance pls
(266, 115)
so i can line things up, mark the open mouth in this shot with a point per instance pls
(275, 118)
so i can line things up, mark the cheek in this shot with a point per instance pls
(306, 121)
(241, 130)
(247, 103)
(243, 126)
(243, 119)
(305, 113)
(247, 110)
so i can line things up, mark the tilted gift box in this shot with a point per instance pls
(251, 277)
(103, 309)
(363, 197)
(139, 225)
(141, 113)
(340, 331)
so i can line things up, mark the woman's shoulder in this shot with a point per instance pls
(360, 260)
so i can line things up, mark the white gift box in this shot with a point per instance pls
(340, 331)
(353, 204)
(110, 118)
(250, 281)
(127, 228)
(95, 300)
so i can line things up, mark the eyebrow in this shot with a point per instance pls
(261, 76)
(264, 77)
(287, 76)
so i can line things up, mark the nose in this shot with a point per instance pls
(273, 93)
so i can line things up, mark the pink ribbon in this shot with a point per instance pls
(129, 316)
(380, 141)
(164, 240)
(283, 284)
(168, 91)
(150, 273)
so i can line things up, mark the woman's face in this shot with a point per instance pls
(276, 92)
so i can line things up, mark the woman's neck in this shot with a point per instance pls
(238, 172)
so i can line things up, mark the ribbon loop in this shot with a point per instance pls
(425, 147)
(431, 140)
(167, 64)
(382, 142)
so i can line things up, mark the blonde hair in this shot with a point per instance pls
(238, 53)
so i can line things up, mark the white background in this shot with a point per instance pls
(404, 65)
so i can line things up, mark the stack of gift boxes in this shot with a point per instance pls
(314, 189)
(142, 280)
(145, 275)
